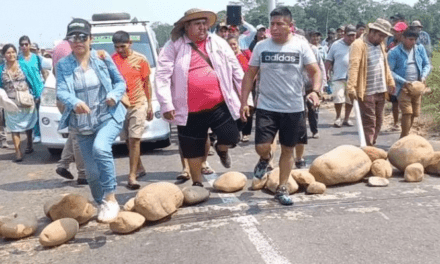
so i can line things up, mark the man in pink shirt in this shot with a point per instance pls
(198, 84)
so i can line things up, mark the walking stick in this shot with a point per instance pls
(359, 126)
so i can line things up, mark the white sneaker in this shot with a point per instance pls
(37, 139)
(108, 211)
(338, 122)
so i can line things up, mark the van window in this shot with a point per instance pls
(141, 44)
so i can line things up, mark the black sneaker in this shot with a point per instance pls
(82, 181)
(299, 164)
(262, 168)
(225, 158)
(64, 173)
(282, 195)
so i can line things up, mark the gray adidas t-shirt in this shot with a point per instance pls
(339, 54)
(281, 79)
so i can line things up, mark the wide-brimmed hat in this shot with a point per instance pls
(382, 25)
(192, 14)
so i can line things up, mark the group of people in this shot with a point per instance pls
(214, 83)
(22, 77)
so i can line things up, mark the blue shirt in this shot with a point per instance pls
(34, 64)
(398, 62)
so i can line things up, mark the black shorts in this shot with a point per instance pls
(192, 137)
(291, 126)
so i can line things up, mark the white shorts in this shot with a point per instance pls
(340, 92)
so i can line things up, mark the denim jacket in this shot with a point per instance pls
(398, 61)
(108, 75)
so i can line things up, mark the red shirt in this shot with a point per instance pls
(244, 58)
(203, 86)
(135, 70)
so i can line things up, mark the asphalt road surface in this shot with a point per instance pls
(348, 224)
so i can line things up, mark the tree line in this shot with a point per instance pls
(324, 14)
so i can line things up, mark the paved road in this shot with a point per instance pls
(349, 224)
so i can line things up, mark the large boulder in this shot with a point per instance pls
(382, 168)
(127, 222)
(432, 163)
(344, 164)
(129, 205)
(375, 153)
(274, 180)
(316, 188)
(158, 200)
(303, 177)
(408, 150)
(19, 227)
(414, 173)
(73, 206)
(51, 202)
(59, 232)
(258, 184)
(230, 182)
(4, 219)
(194, 195)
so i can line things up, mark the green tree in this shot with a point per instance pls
(163, 31)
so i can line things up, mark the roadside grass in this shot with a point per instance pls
(431, 103)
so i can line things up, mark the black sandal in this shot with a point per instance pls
(199, 184)
(28, 151)
(133, 186)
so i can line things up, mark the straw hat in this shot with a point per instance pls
(382, 25)
(192, 14)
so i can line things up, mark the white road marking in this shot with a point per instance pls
(384, 216)
(263, 244)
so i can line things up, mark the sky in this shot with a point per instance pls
(45, 21)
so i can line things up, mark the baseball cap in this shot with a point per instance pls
(416, 23)
(232, 28)
(361, 25)
(222, 25)
(350, 30)
(341, 28)
(331, 30)
(34, 46)
(400, 27)
(397, 17)
(314, 32)
(260, 27)
(78, 25)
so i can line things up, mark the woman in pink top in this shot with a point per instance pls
(195, 79)
(243, 57)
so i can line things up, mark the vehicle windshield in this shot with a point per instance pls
(141, 44)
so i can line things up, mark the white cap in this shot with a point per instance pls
(260, 27)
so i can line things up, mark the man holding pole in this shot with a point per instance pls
(280, 60)
(369, 76)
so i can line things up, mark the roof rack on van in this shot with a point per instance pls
(106, 23)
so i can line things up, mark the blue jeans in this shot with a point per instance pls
(96, 150)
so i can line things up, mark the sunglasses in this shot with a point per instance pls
(24, 44)
(77, 38)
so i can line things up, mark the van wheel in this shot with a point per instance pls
(110, 16)
(55, 151)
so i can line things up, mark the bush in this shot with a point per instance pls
(431, 103)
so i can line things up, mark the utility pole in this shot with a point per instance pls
(271, 6)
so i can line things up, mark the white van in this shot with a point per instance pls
(144, 42)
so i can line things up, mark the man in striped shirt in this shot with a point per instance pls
(369, 77)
